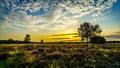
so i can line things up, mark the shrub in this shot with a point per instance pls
(41, 50)
(4, 56)
(35, 51)
(115, 55)
(97, 40)
(42, 64)
(54, 55)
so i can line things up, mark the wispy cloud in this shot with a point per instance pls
(118, 32)
(65, 34)
(114, 36)
(37, 15)
(59, 38)
(76, 36)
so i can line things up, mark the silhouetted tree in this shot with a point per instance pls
(42, 41)
(97, 40)
(87, 31)
(27, 38)
(10, 40)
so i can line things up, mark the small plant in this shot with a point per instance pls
(35, 51)
(54, 55)
(41, 50)
(42, 64)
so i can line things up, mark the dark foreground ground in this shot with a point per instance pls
(59, 56)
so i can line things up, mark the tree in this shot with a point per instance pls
(27, 38)
(10, 40)
(42, 41)
(97, 40)
(87, 31)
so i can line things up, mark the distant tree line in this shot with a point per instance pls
(14, 42)
(26, 40)
(11, 41)
(22, 42)
(114, 41)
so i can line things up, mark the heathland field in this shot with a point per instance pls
(59, 56)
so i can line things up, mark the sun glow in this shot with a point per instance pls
(68, 31)
(71, 36)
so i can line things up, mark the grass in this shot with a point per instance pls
(2, 64)
(59, 56)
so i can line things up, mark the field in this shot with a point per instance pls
(59, 56)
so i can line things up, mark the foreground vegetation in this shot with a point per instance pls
(59, 56)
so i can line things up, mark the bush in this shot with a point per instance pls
(42, 64)
(54, 55)
(4, 56)
(97, 40)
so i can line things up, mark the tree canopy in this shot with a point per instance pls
(87, 31)
(27, 38)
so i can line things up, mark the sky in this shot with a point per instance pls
(57, 20)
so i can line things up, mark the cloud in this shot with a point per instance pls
(65, 34)
(118, 32)
(53, 15)
(73, 40)
(60, 38)
(114, 36)
(76, 36)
